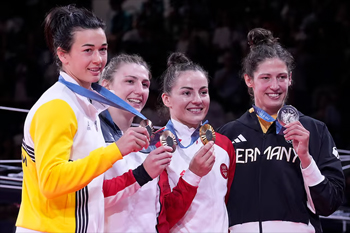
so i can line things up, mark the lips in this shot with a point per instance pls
(195, 110)
(274, 95)
(137, 101)
(95, 71)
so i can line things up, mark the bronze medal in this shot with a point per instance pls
(167, 138)
(148, 125)
(207, 133)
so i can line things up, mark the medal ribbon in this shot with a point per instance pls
(266, 117)
(195, 135)
(105, 96)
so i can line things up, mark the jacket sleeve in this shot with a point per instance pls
(52, 130)
(175, 203)
(327, 195)
(123, 186)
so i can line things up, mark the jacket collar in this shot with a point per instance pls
(183, 132)
(107, 118)
(93, 108)
(117, 133)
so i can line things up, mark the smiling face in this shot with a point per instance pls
(270, 84)
(87, 57)
(130, 81)
(189, 99)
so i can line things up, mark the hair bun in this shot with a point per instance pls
(259, 36)
(177, 58)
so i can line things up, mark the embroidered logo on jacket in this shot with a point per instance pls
(335, 152)
(223, 170)
(240, 138)
(96, 126)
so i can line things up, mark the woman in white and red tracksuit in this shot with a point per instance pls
(284, 178)
(186, 95)
(141, 200)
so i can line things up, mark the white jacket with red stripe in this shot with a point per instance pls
(136, 203)
(207, 212)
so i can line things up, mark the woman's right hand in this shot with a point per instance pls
(157, 161)
(203, 161)
(134, 139)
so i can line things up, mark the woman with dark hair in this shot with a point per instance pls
(186, 95)
(154, 207)
(288, 170)
(63, 150)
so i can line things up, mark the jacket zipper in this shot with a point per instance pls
(259, 189)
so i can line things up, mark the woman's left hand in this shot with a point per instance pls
(299, 136)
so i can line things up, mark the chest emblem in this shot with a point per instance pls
(223, 170)
(240, 138)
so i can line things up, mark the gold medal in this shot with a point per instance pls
(148, 125)
(207, 133)
(167, 138)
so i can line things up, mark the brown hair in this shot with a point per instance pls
(264, 46)
(115, 63)
(177, 63)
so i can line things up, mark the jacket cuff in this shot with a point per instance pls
(191, 178)
(312, 175)
(141, 176)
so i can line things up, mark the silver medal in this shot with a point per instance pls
(287, 114)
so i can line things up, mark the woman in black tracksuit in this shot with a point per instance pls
(284, 178)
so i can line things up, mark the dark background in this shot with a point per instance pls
(211, 33)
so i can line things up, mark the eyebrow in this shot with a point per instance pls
(92, 45)
(134, 77)
(190, 88)
(270, 74)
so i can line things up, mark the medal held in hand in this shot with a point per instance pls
(167, 138)
(148, 125)
(207, 133)
(287, 114)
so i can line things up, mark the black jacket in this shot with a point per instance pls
(268, 183)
